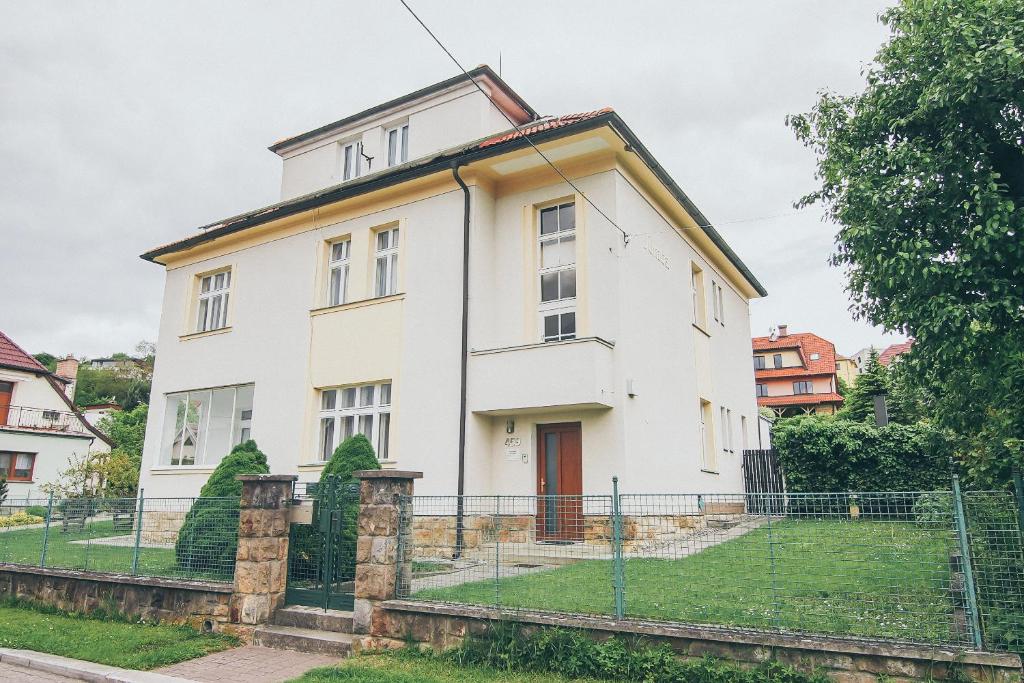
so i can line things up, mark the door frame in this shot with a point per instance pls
(569, 511)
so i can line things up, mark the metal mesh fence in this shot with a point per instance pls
(191, 538)
(895, 566)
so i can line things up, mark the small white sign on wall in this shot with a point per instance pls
(514, 450)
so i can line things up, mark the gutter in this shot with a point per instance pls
(463, 365)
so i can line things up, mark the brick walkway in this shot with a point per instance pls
(248, 664)
(10, 672)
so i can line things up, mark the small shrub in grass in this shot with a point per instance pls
(208, 538)
(36, 511)
(20, 519)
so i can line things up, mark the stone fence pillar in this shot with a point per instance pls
(261, 563)
(377, 570)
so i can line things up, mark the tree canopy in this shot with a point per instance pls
(924, 173)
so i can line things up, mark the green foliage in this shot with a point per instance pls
(126, 428)
(108, 386)
(48, 360)
(997, 554)
(118, 473)
(924, 173)
(3, 489)
(509, 646)
(36, 511)
(822, 454)
(859, 403)
(933, 509)
(208, 538)
(353, 454)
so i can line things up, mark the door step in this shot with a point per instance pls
(313, 618)
(304, 640)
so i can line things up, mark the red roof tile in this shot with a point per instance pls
(799, 399)
(806, 344)
(13, 356)
(894, 350)
(544, 124)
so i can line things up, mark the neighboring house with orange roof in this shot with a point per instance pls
(428, 280)
(795, 373)
(894, 351)
(41, 430)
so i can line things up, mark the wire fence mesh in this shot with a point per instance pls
(893, 566)
(190, 538)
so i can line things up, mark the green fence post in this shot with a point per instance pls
(138, 533)
(497, 551)
(1018, 485)
(965, 558)
(46, 530)
(619, 579)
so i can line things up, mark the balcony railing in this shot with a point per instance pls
(41, 419)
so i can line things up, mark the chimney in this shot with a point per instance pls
(783, 330)
(68, 369)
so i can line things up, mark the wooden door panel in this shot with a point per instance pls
(6, 391)
(559, 482)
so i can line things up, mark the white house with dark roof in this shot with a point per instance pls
(41, 430)
(429, 280)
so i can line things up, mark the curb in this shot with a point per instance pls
(80, 670)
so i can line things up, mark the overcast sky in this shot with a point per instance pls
(125, 125)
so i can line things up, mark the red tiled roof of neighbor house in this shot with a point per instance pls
(799, 399)
(549, 123)
(806, 344)
(13, 356)
(894, 350)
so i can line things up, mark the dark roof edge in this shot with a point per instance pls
(52, 379)
(464, 156)
(20, 368)
(482, 70)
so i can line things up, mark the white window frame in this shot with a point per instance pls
(212, 303)
(339, 253)
(708, 455)
(562, 308)
(241, 426)
(385, 273)
(718, 303)
(334, 415)
(700, 306)
(744, 437)
(400, 154)
(808, 384)
(351, 160)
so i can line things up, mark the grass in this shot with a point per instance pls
(393, 668)
(24, 546)
(110, 641)
(860, 578)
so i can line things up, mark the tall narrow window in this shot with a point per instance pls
(386, 279)
(347, 411)
(759, 362)
(716, 301)
(337, 280)
(557, 272)
(744, 437)
(700, 313)
(777, 360)
(212, 306)
(719, 304)
(708, 459)
(352, 160)
(397, 140)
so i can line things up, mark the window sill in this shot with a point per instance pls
(181, 469)
(701, 329)
(310, 466)
(208, 333)
(323, 310)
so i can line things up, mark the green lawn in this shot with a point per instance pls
(400, 669)
(862, 578)
(117, 643)
(24, 546)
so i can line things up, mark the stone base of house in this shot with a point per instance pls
(395, 623)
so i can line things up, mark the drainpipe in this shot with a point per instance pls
(463, 364)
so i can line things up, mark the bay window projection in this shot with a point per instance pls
(557, 272)
(338, 268)
(212, 303)
(346, 411)
(386, 278)
(351, 160)
(202, 426)
(397, 141)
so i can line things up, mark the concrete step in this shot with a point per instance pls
(301, 616)
(304, 640)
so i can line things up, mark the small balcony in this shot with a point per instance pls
(41, 420)
(574, 374)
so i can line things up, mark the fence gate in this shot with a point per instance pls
(322, 555)
(762, 475)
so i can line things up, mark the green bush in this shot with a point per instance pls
(353, 454)
(934, 509)
(208, 538)
(36, 511)
(997, 555)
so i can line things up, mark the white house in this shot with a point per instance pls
(566, 353)
(41, 431)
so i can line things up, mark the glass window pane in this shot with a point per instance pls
(348, 397)
(568, 278)
(382, 276)
(384, 429)
(392, 146)
(215, 313)
(218, 281)
(349, 149)
(549, 287)
(224, 312)
(549, 221)
(568, 324)
(5, 462)
(219, 425)
(550, 326)
(567, 217)
(393, 279)
(339, 250)
(23, 465)
(366, 396)
(385, 394)
(201, 316)
(382, 240)
(205, 286)
(334, 296)
(326, 438)
(405, 142)
(328, 399)
(366, 426)
(558, 252)
(347, 427)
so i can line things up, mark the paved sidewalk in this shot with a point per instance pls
(26, 665)
(249, 664)
(12, 672)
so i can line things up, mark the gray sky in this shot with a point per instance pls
(124, 125)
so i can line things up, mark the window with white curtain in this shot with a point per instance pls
(337, 272)
(212, 303)
(386, 277)
(557, 259)
(202, 426)
(396, 141)
(346, 411)
(351, 160)
(15, 467)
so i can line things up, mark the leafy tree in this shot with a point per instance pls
(48, 360)
(3, 489)
(924, 173)
(208, 538)
(107, 386)
(859, 403)
(126, 428)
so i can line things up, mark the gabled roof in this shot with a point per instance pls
(806, 344)
(13, 356)
(547, 123)
(893, 351)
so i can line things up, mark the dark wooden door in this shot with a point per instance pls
(6, 390)
(560, 482)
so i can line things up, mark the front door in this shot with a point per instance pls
(560, 482)
(6, 391)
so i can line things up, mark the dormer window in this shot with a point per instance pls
(397, 141)
(352, 160)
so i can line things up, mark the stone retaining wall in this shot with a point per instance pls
(442, 626)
